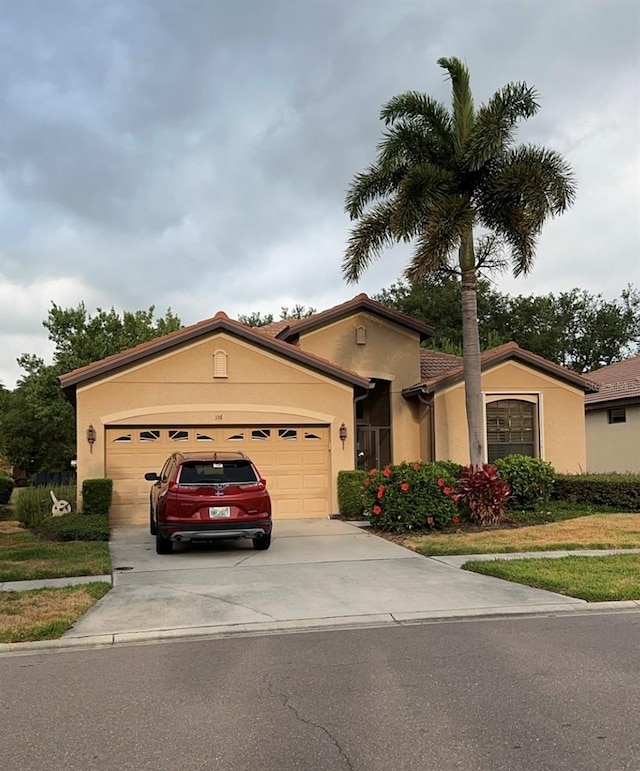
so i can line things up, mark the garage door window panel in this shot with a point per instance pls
(152, 435)
(261, 434)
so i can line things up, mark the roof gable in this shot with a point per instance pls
(443, 370)
(220, 322)
(292, 328)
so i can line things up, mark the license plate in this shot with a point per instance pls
(219, 512)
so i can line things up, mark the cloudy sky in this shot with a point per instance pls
(194, 154)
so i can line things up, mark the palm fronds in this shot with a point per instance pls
(367, 240)
(463, 113)
(448, 221)
(495, 123)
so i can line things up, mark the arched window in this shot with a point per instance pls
(511, 428)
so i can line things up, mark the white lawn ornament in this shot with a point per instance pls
(59, 507)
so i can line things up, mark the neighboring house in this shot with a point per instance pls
(348, 387)
(613, 418)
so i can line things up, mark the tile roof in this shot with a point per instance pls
(620, 380)
(292, 327)
(274, 329)
(443, 369)
(435, 363)
(220, 321)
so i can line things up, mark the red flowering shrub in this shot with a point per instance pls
(481, 493)
(407, 496)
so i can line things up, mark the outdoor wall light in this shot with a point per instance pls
(342, 433)
(91, 436)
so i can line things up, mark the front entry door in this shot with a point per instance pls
(373, 449)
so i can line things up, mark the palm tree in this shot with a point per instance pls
(439, 175)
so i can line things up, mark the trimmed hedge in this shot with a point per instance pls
(351, 494)
(76, 527)
(530, 479)
(96, 496)
(6, 488)
(619, 491)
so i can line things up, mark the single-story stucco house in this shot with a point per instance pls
(613, 418)
(350, 387)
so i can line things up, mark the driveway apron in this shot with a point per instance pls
(316, 573)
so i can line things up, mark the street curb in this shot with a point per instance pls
(581, 607)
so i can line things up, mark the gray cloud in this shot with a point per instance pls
(195, 154)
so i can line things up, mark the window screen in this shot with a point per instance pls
(511, 428)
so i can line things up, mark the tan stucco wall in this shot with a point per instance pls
(390, 353)
(561, 411)
(178, 387)
(615, 446)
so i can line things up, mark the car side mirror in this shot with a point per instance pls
(151, 476)
(264, 481)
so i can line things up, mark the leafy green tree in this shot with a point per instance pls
(257, 319)
(5, 395)
(80, 338)
(439, 175)
(38, 423)
(438, 301)
(577, 329)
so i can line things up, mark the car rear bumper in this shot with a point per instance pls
(212, 532)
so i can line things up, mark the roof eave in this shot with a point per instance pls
(521, 356)
(622, 401)
(343, 311)
(77, 377)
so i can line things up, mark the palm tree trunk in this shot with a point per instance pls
(471, 353)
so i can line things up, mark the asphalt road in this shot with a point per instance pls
(536, 693)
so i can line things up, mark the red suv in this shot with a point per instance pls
(205, 496)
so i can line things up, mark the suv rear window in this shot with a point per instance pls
(217, 472)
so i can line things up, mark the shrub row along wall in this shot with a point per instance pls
(409, 497)
(33, 507)
(620, 491)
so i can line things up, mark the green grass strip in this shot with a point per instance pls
(595, 579)
(46, 614)
(35, 559)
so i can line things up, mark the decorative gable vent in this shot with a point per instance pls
(220, 364)
(361, 335)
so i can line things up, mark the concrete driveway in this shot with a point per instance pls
(317, 573)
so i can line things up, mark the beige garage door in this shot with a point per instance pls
(293, 459)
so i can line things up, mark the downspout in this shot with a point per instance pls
(432, 424)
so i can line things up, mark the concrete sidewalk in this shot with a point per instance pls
(317, 574)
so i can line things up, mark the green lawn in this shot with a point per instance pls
(25, 556)
(597, 531)
(611, 577)
(45, 614)
(595, 579)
